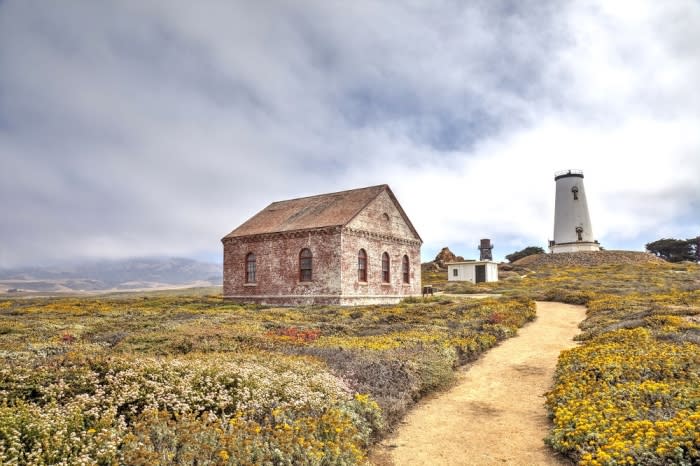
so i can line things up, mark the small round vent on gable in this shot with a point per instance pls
(385, 217)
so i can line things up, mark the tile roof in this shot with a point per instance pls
(323, 210)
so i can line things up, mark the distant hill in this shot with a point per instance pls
(127, 274)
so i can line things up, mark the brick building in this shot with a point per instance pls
(351, 247)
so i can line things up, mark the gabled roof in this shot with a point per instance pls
(313, 212)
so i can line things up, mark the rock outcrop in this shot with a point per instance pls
(445, 256)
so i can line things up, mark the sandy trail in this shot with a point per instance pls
(495, 413)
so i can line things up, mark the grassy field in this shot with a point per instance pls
(630, 394)
(172, 378)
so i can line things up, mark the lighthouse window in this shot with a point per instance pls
(579, 233)
(575, 191)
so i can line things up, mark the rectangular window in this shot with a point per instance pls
(385, 267)
(305, 258)
(250, 276)
(250, 268)
(454, 272)
(362, 266)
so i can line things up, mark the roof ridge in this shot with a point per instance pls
(331, 194)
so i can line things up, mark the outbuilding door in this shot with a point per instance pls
(480, 273)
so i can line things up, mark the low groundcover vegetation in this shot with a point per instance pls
(630, 393)
(197, 380)
(183, 380)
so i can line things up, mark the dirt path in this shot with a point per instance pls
(495, 414)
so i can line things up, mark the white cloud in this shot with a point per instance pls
(133, 128)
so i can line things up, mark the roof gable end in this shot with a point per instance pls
(396, 203)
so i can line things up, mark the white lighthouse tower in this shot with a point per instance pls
(572, 224)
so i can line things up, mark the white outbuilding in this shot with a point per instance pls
(472, 271)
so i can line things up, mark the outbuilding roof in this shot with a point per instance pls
(314, 212)
(471, 262)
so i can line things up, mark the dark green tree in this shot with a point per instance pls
(695, 246)
(674, 250)
(528, 251)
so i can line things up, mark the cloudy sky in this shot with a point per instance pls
(153, 128)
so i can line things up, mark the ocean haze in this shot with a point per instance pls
(99, 275)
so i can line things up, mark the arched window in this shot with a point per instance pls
(405, 269)
(362, 266)
(305, 258)
(385, 267)
(250, 268)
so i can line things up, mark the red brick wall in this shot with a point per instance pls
(380, 228)
(374, 290)
(277, 268)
